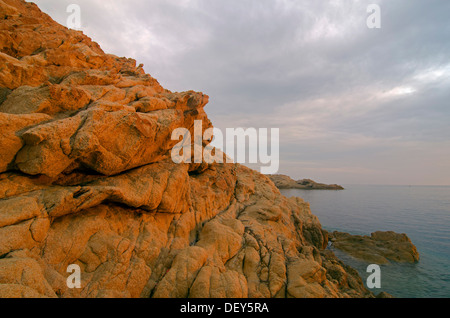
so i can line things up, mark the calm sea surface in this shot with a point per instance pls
(422, 212)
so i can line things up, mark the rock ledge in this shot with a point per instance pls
(378, 248)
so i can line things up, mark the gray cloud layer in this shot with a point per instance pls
(354, 105)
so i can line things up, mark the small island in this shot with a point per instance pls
(286, 182)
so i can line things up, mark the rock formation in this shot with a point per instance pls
(86, 178)
(286, 182)
(378, 248)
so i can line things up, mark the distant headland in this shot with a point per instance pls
(286, 182)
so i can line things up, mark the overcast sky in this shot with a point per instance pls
(354, 105)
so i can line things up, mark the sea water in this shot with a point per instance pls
(422, 212)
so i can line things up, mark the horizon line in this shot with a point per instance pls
(399, 185)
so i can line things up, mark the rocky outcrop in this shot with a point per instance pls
(86, 178)
(378, 248)
(286, 182)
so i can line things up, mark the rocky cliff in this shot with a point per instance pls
(86, 178)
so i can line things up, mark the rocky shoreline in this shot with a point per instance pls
(286, 182)
(86, 179)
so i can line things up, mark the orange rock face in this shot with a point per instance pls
(86, 178)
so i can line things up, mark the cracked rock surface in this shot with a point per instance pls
(86, 178)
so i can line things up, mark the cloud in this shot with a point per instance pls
(343, 95)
